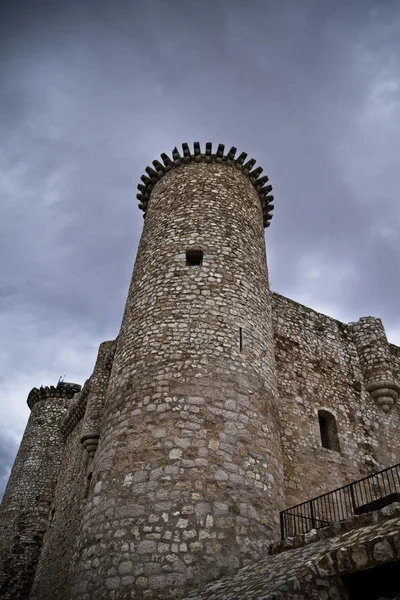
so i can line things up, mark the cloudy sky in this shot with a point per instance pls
(91, 91)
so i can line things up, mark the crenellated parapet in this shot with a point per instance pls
(153, 175)
(376, 361)
(62, 390)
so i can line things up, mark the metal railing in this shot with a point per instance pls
(367, 494)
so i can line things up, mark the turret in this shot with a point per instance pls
(187, 476)
(25, 510)
(376, 361)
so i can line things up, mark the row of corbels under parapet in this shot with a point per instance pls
(153, 175)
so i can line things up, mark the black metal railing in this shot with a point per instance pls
(369, 493)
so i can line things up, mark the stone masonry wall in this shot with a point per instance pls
(395, 355)
(24, 512)
(60, 544)
(377, 362)
(96, 398)
(188, 477)
(319, 367)
(81, 427)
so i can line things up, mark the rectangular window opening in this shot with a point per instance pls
(194, 258)
(240, 339)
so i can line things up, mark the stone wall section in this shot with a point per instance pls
(60, 545)
(80, 427)
(318, 368)
(395, 356)
(95, 402)
(25, 509)
(188, 475)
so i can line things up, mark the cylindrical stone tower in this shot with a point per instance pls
(24, 512)
(187, 477)
(376, 361)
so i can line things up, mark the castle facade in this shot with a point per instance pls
(218, 405)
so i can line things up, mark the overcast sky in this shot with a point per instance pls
(91, 91)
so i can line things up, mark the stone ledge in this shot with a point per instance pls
(154, 175)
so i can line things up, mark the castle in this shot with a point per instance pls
(218, 405)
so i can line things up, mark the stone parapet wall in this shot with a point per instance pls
(63, 389)
(240, 162)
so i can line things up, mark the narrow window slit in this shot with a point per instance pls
(194, 258)
(240, 339)
(328, 430)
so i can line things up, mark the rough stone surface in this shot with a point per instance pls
(319, 368)
(188, 409)
(313, 570)
(202, 421)
(26, 505)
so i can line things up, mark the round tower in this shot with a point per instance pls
(187, 477)
(376, 361)
(25, 509)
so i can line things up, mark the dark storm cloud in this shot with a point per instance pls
(92, 91)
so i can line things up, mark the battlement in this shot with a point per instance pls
(63, 389)
(154, 175)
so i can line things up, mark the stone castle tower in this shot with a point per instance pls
(166, 469)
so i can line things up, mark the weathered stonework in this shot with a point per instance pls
(218, 405)
(25, 508)
(315, 567)
(95, 402)
(319, 368)
(189, 451)
(376, 362)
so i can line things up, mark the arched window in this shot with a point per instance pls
(328, 430)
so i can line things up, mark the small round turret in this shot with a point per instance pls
(376, 361)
